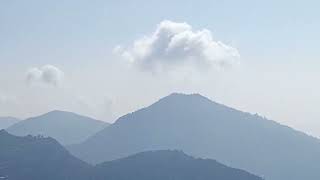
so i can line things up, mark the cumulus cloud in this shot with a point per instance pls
(174, 44)
(47, 74)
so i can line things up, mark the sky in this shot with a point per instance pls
(106, 58)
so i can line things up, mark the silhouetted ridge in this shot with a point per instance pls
(164, 165)
(39, 158)
(173, 101)
(66, 127)
(157, 155)
(63, 114)
(187, 98)
(203, 128)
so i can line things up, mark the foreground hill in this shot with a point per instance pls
(66, 127)
(203, 128)
(167, 165)
(38, 158)
(6, 122)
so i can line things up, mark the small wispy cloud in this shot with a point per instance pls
(47, 74)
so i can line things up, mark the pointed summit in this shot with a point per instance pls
(181, 100)
(184, 97)
(203, 128)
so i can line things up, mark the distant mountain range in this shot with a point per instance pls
(6, 122)
(66, 127)
(203, 128)
(39, 158)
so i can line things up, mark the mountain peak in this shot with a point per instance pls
(176, 100)
(57, 112)
(169, 164)
(176, 94)
(205, 129)
(66, 127)
(185, 98)
(3, 132)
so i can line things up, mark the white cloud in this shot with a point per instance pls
(174, 45)
(47, 74)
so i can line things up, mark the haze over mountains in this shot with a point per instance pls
(38, 158)
(6, 122)
(66, 127)
(142, 140)
(203, 128)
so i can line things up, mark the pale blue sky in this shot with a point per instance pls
(268, 28)
(277, 77)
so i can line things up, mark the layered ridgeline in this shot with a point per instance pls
(6, 122)
(206, 129)
(166, 165)
(66, 127)
(38, 158)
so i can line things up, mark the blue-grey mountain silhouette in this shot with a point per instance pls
(165, 165)
(6, 122)
(203, 128)
(39, 158)
(66, 127)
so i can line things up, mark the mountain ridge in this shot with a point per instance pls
(206, 129)
(39, 158)
(66, 127)
(7, 121)
(168, 164)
